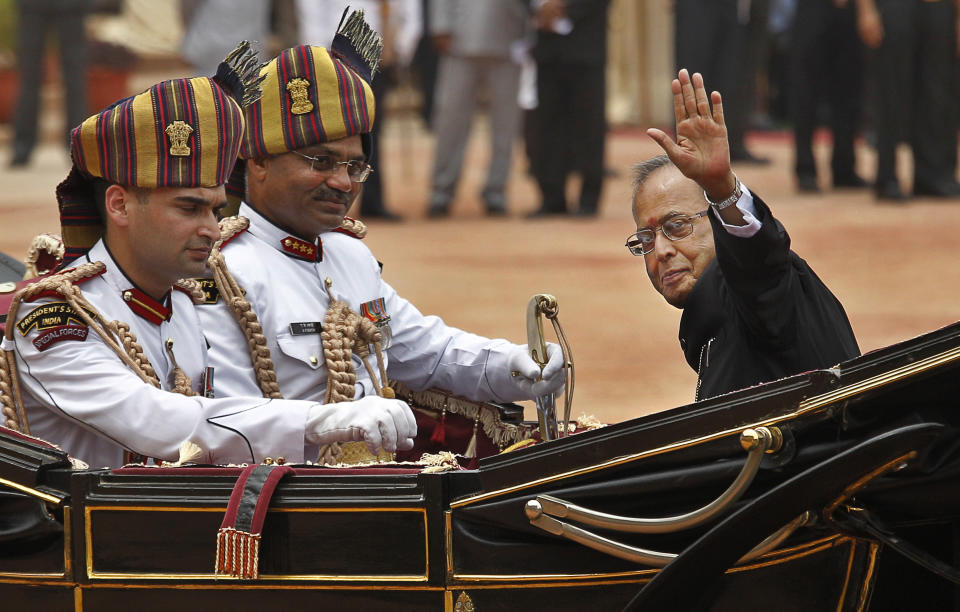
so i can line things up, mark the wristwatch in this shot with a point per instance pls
(729, 200)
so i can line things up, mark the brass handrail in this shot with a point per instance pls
(755, 441)
(641, 555)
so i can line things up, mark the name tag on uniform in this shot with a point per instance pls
(305, 327)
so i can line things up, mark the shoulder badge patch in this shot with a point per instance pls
(211, 293)
(50, 316)
(65, 332)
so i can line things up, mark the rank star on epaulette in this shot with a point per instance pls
(301, 249)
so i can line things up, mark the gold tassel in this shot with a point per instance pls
(238, 554)
(471, 451)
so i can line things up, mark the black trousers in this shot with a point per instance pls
(710, 40)
(827, 68)
(571, 132)
(914, 73)
(66, 18)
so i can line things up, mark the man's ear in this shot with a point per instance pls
(117, 201)
(257, 169)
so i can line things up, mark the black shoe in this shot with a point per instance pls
(851, 181)
(889, 191)
(807, 183)
(19, 161)
(380, 215)
(435, 212)
(746, 157)
(585, 212)
(496, 211)
(940, 189)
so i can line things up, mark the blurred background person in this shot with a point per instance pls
(66, 19)
(827, 75)
(213, 27)
(710, 38)
(915, 43)
(475, 41)
(424, 66)
(570, 118)
(400, 22)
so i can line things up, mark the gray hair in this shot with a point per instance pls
(643, 170)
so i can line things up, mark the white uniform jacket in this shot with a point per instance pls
(285, 287)
(80, 395)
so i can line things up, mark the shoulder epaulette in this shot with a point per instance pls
(352, 227)
(192, 288)
(55, 284)
(230, 228)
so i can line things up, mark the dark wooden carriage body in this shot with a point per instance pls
(391, 538)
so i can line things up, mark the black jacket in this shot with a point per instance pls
(759, 313)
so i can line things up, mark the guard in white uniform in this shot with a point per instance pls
(306, 156)
(108, 357)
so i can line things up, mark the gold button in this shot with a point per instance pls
(281, 460)
(313, 360)
(127, 296)
(169, 344)
(268, 461)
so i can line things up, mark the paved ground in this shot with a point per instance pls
(893, 267)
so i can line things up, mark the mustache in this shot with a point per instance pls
(332, 195)
(200, 244)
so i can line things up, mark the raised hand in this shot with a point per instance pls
(701, 152)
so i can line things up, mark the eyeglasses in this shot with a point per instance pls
(675, 228)
(358, 171)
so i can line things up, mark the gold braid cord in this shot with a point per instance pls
(232, 294)
(51, 244)
(344, 333)
(193, 289)
(355, 226)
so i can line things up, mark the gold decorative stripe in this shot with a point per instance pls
(92, 573)
(271, 114)
(283, 577)
(868, 579)
(804, 407)
(878, 381)
(67, 540)
(30, 491)
(144, 305)
(89, 144)
(32, 575)
(78, 599)
(647, 574)
(846, 580)
(771, 558)
(329, 110)
(207, 139)
(145, 136)
(258, 587)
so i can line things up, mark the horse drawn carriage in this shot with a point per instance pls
(834, 489)
(808, 493)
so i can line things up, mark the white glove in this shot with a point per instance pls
(530, 382)
(375, 420)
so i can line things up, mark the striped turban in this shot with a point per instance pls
(312, 95)
(178, 133)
